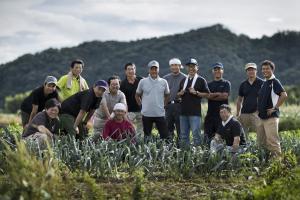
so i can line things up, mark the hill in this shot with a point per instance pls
(207, 45)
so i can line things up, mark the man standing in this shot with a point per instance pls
(246, 106)
(72, 82)
(152, 94)
(35, 102)
(105, 111)
(270, 97)
(128, 87)
(219, 94)
(192, 89)
(79, 108)
(229, 130)
(173, 107)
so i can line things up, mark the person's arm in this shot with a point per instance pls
(43, 129)
(79, 118)
(239, 105)
(88, 117)
(282, 97)
(218, 138)
(33, 112)
(236, 143)
(166, 99)
(138, 98)
(219, 96)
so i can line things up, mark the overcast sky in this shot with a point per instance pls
(29, 26)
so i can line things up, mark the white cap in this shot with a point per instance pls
(175, 61)
(250, 65)
(120, 106)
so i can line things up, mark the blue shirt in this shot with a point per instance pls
(217, 86)
(265, 98)
(250, 93)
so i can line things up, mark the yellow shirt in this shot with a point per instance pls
(65, 92)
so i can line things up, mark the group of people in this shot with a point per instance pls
(121, 108)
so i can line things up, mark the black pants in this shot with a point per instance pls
(211, 125)
(160, 124)
(172, 118)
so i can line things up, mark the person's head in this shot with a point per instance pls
(100, 87)
(52, 107)
(175, 65)
(192, 67)
(77, 67)
(267, 68)
(114, 84)
(225, 112)
(120, 111)
(153, 69)
(251, 70)
(50, 84)
(130, 69)
(217, 70)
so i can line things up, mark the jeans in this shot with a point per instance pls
(188, 123)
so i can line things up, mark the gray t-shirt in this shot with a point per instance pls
(110, 100)
(153, 92)
(174, 83)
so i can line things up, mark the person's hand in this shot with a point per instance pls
(180, 93)
(42, 129)
(235, 147)
(270, 111)
(192, 91)
(76, 129)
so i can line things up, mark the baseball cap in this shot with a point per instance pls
(250, 65)
(218, 64)
(192, 61)
(153, 63)
(101, 83)
(120, 106)
(175, 61)
(50, 79)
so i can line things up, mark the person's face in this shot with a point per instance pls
(224, 114)
(251, 72)
(114, 86)
(130, 71)
(218, 72)
(175, 69)
(98, 91)
(77, 69)
(119, 114)
(50, 88)
(267, 71)
(52, 112)
(153, 71)
(192, 69)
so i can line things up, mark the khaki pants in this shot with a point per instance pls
(267, 134)
(249, 122)
(40, 138)
(136, 119)
(98, 125)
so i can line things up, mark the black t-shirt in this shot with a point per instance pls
(85, 100)
(265, 97)
(250, 94)
(217, 86)
(129, 90)
(42, 119)
(37, 97)
(190, 103)
(232, 129)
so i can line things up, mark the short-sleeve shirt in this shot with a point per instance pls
(66, 92)
(153, 92)
(129, 90)
(42, 119)
(85, 100)
(250, 93)
(190, 103)
(118, 130)
(110, 100)
(222, 86)
(174, 83)
(37, 97)
(232, 129)
(265, 97)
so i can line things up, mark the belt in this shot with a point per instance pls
(172, 102)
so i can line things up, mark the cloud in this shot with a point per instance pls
(34, 25)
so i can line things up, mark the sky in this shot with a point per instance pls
(30, 26)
